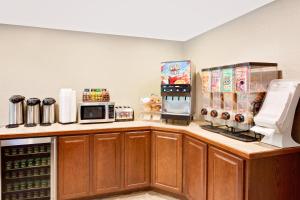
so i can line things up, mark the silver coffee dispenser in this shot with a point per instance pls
(33, 112)
(48, 112)
(16, 111)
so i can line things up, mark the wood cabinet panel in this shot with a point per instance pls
(167, 161)
(137, 160)
(73, 167)
(107, 159)
(225, 176)
(194, 169)
(275, 178)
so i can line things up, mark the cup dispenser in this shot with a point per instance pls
(276, 118)
(236, 94)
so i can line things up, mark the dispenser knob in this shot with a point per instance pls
(239, 118)
(203, 111)
(214, 113)
(225, 116)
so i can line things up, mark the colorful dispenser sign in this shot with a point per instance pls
(228, 80)
(206, 81)
(176, 72)
(216, 80)
(241, 79)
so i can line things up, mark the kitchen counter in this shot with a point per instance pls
(250, 150)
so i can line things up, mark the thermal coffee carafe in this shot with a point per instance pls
(48, 112)
(33, 112)
(16, 111)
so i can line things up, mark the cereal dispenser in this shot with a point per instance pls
(237, 93)
(252, 80)
(206, 94)
(229, 96)
(217, 95)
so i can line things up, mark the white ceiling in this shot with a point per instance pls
(162, 19)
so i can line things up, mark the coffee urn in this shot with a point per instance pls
(48, 112)
(16, 111)
(33, 112)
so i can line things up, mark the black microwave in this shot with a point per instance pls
(96, 112)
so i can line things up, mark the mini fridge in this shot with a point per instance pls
(28, 169)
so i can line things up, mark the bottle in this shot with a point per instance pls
(85, 95)
(92, 97)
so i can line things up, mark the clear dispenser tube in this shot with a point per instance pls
(251, 86)
(206, 94)
(217, 95)
(229, 95)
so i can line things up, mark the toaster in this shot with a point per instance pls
(124, 113)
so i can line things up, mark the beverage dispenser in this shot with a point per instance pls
(177, 91)
(237, 93)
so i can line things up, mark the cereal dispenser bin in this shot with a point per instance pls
(206, 94)
(217, 96)
(229, 96)
(252, 80)
(234, 96)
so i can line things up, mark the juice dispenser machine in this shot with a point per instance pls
(177, 91)
(238, 98)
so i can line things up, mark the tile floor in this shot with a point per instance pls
(140, 196)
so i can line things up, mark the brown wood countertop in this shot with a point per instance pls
(247, 150)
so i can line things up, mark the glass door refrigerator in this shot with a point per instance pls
(28, 169)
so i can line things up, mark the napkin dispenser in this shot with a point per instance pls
(276, 117)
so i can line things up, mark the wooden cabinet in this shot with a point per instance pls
(167, 161)
(194, 169)
(225, 176)
(137, 159)
(107, 163)
(73, 167)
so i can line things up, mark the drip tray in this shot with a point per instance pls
(245, 136)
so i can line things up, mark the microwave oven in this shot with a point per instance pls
(96, 112)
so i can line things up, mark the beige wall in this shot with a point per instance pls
(270, 34)
(38, 62)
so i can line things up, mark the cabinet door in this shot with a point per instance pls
(107, 158)
(73, 167)
(167, 161)
(194, 169)
(225, 176)
(137, 159)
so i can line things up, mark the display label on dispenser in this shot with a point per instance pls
(176, 72)
(227, 80)
(206, 81)
(241, 79)
(216, 80)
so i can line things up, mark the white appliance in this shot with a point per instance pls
(67, 106)
(275, 119)
(96, 112)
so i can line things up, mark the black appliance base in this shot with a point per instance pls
(177, 119)
(245, 136)
(12, 126)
